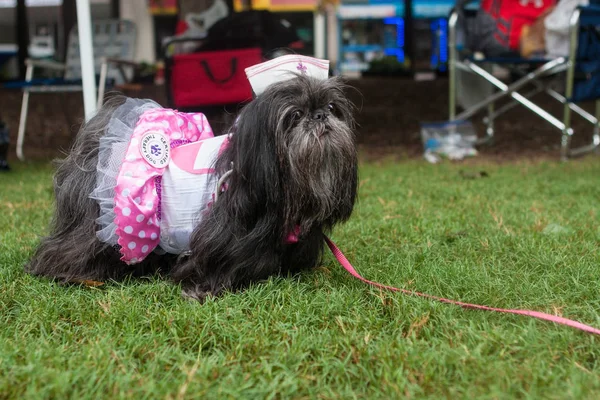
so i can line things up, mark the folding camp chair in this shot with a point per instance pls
(581, 71)
(114, 46)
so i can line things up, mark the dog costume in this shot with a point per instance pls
(155, 175)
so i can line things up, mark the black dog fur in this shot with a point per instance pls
(294, 167)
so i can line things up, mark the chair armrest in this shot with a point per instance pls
(47, 64)
(121, 65)
(119, 61)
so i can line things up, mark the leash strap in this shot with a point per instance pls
(535, 314)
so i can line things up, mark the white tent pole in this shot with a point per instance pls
(86, 52)
(319, 38)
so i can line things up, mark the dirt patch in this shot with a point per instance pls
(389, 114)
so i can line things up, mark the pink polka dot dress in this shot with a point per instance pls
(155, 178)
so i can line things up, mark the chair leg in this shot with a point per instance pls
(541, 87)
(548, 68)
(565, 145)
(23, 117)
(567, 133)
(596, 137)
(574, 107)
(509, 91)
(513, 103)
(489, 121)
(593, 119)
(102, 83)
(22, 125)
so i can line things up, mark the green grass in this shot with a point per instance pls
(525, 237)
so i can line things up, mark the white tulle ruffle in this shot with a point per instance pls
(112, 149)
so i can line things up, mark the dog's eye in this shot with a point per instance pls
(331, 107)
(294, 118)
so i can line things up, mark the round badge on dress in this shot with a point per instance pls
(155, 149)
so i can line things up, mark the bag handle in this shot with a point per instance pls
(233, 67)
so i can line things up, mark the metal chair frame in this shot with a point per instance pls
(71, 69)
(551, 68)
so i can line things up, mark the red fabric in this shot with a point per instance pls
(212, 78)
(511, 15)
(181, 27)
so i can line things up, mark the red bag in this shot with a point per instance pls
(212, 78)
(511, 15)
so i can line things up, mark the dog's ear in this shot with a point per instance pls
(253, 153)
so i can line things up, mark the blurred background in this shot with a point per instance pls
(394, 52)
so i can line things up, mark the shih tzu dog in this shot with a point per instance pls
(147, 189)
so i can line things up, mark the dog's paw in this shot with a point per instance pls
(196, 292)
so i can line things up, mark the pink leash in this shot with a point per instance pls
(535, 314)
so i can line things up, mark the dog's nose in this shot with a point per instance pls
(319, 115)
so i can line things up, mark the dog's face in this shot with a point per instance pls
(308, 124)
(309, 114)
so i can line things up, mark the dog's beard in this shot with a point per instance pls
(320, 158)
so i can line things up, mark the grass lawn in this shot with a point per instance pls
(526, 236)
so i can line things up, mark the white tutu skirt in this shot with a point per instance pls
(112, 151)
